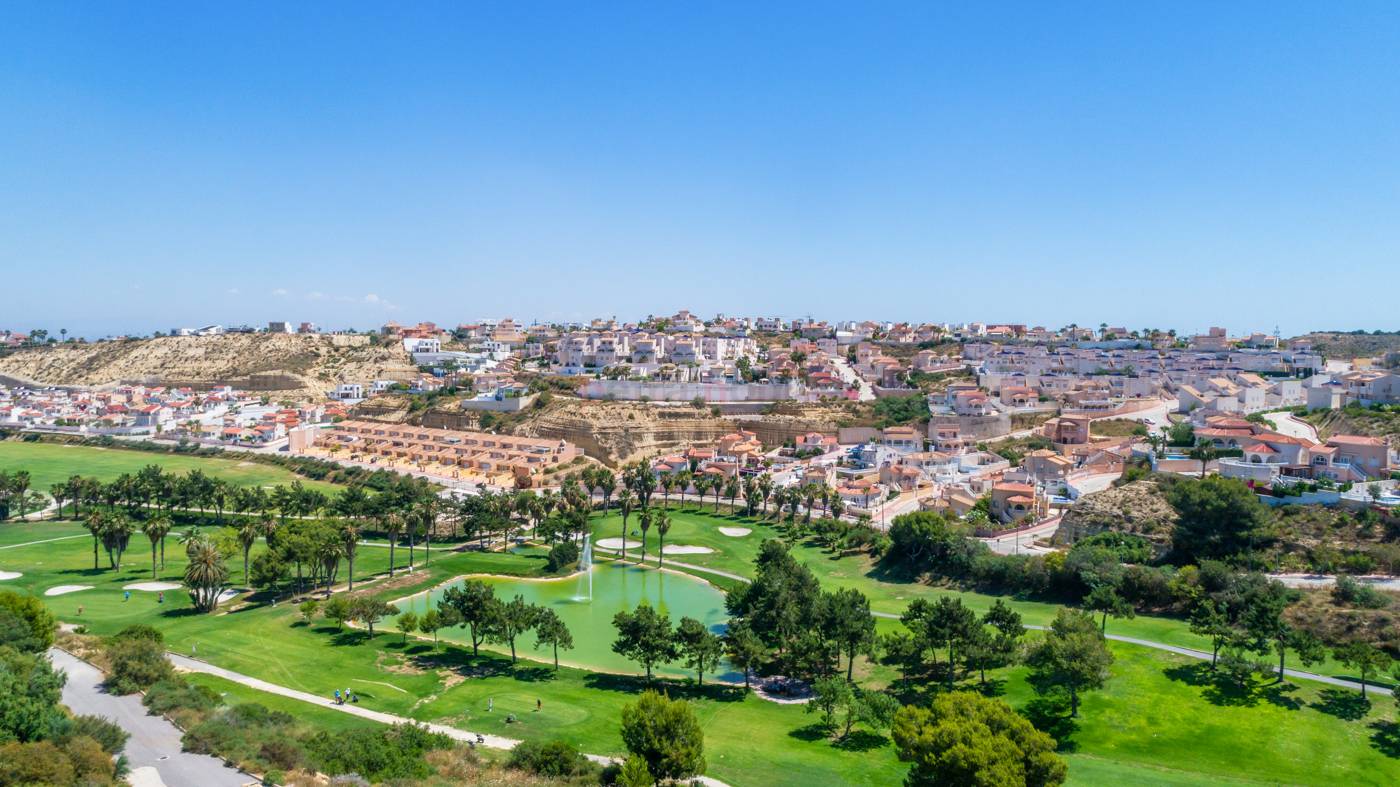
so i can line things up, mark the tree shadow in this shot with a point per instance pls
(636, 684)
(1216, 687)
(861, 740)
(994, 687)
(811, 733)
(181, 612)
(1051, 716)
(1385, 737)
(1279, 694)
(1343, 703)
(350, 637)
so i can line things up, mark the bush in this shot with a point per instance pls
(554, 759)
(376, 754)
(562, 556)
(27, 624)
(137, 658)
(1355, 594)
(109, 736)
(176, 693)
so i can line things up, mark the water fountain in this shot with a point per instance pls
(585, 564)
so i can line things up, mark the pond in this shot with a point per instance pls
(615, 587)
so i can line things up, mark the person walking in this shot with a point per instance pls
(538, 705)
(490, 704)
(337, 696)
(126, 597)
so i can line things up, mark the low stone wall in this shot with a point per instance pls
(634, 390)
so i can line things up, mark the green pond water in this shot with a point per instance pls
(616, 587)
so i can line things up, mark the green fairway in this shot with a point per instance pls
(50, 463)
(615, 587)
(1158, 720)
(887, 594)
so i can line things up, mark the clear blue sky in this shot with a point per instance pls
(1149, 164)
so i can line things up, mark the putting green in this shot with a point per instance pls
(616, 587)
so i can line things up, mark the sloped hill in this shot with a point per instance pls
(275, 364)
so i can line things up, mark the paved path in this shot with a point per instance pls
(493, 741)
(1023, 542)
(1379, 581)
(1146, 643)
(45, 541)
(1286, 424)
(154, 747)
(849, 376)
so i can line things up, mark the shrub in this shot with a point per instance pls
(562, 556)
(109, 736)
(176, 693)
(553, 759)
(376, 754)
(29, 624)
(137, 658)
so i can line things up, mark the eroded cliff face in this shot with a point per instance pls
(1138, 507)
(611, 432)
(288, 365)
(619, 432)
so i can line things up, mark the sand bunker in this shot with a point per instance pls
(616, 543)
(62, 589)
(153, 587)
(669, 549)
(685, 549)
(10, 575)
(735, 532)
(227, 594)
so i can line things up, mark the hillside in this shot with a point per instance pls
(274, 364)
(1138, 507)
(613, 432)
(1345, 346)
(1380, 422)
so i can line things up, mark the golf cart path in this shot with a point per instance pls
(153, 749)
(494, 741)
(1146, 643)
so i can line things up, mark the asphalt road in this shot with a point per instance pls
(154, 747)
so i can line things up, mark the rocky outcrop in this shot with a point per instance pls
(1138, 507)
(279, 365)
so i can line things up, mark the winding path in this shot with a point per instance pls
(154, 747)
(466, 736)
(1146, 643)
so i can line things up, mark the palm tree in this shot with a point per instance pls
(1204, 453)
(95, 523)
(116, 534)
(668, 483)
(59, 493)
(205, 575)
(608, 483)
(393, 526)
(663, 526)
(156, 529)
(731, 491)
(645, 520)
(350, 544)
(765, 488)
(624, 504)
(247, 536)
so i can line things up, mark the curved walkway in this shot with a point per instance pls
(154, 748)
(1146, 643)
(493, 741)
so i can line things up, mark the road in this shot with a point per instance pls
(1326, 581)
(154, 748)
(1287, 424)
(1023, 543)
(847, 374)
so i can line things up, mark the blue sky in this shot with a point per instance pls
(1149, 164)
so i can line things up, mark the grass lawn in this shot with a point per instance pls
(1159, 720)
(50, 463)
(887, 594)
